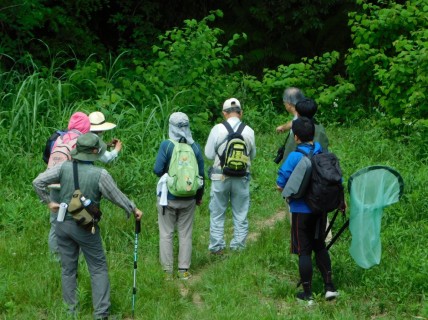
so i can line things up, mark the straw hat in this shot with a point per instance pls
(98, 122)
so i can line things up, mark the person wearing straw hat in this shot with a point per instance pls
(94, 183)
(98, 126)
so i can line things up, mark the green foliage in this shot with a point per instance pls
(389, 61)
(314, 77)
(62, 25)
(193, 61)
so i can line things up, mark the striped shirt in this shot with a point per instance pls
(106, 184)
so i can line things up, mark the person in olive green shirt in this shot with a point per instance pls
(307, 108)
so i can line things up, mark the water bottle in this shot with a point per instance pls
(91, 208)
(85, 202)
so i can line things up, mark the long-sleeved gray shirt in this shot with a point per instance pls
(106, 184)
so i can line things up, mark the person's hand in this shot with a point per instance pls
(281, 128)
(53, 206)
(343, 206)
(199, 202)
(284, 127)
(138, 214)
(118, 145)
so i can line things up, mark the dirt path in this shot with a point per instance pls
(252, 237)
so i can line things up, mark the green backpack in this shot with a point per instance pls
(184, 179)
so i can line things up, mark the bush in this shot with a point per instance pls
(390, 58)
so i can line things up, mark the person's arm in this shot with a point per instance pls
(286, 169)
(210, 151)
(162, 158)
(111, 192)
(108, 156)
(284, 127)
(44, 179)
(253, 146)
(200, 159)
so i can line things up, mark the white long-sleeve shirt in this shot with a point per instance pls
(108, 156)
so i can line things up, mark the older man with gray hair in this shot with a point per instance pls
(290, 98)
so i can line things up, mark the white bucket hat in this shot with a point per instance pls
(98, 122)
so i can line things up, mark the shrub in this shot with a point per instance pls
(389, 61)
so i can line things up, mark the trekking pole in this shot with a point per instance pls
(134, 288)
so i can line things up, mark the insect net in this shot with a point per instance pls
(371, 189)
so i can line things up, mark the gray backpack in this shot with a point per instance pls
(299, 179)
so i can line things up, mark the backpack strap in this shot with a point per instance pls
(230, 131)
(228, 127)
(167, 155)
(240, 128)
(75, 176)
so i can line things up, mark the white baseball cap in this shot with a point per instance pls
(231, 103)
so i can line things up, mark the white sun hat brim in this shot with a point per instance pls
(98, 122)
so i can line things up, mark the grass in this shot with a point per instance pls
(258, 283)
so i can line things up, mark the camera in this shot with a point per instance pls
(112, 143)
(279, 155)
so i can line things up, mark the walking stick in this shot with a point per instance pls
(134, 288)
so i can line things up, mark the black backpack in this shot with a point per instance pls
(325, 191)
(49, 144)
(234, 159)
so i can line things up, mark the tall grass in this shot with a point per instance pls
(258, 283)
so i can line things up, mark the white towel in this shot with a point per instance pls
(163, 190)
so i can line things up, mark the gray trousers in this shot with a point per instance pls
(237, 191)
(52, 242)
(178, 213)
(71, 239)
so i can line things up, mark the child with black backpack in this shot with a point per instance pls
(308, 228)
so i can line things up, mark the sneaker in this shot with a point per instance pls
(303, 296)
(330, 292)
(168, 276)
(184, 275)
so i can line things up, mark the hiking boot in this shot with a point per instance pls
(217, 253)
(306, 297)
(330, 292)
(184, 275)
